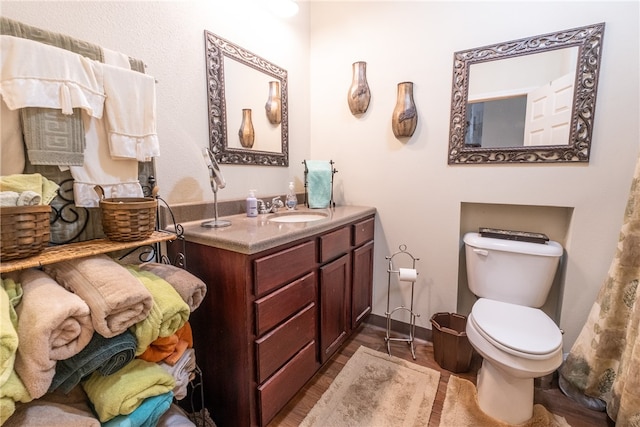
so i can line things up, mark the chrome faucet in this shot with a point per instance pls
(265, 208)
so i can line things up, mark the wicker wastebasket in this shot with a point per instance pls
(451, 347)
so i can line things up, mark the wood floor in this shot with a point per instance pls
(373, 337)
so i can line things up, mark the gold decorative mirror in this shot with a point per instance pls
(247, 95)
(526, 101)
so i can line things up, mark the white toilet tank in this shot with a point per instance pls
(511, 271)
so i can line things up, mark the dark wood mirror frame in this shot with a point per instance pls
(588, 39)
(216, 49)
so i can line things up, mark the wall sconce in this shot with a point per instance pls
(274, 103)
(405, 116)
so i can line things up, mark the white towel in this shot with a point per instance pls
(11, 142)
(130, 110)
(34, 74)
(118, 59)
(182, 372)
(118, 178)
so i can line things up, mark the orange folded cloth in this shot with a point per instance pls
(169, 349)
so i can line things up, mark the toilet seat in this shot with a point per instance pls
(518, 330)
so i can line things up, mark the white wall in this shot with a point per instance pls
(417, 194)
(169, 37)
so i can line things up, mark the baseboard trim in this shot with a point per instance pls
(398, 327)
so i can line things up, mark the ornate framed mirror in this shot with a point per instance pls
(526, 101)
(244, 89)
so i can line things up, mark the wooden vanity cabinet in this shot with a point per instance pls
(270, 319)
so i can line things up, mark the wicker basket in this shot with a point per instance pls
(128, 219)
(24, 230)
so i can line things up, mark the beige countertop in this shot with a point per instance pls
(251, 235)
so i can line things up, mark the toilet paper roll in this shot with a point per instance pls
(408, 274)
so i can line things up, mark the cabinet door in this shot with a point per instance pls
(362, 283)
(335, 305)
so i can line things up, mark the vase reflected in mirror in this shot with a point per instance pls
(273, 107)
(246, 132)
(359, 93)
(405, 116)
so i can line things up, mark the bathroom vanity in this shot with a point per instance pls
(282, 297)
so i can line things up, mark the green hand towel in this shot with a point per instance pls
(319, 177)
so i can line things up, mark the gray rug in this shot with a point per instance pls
(375, 389)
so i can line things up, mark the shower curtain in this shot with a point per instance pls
(603, 365)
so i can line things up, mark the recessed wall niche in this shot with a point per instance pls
(554, 221)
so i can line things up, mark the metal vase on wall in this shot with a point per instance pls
(274, 103)
(246, 132)
(359, 93)
(405, 116)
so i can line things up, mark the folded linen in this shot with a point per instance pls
(12, 392)
(117, 177)
(319, 177)
(12, 159)
(116, 299)
(55, 410)
(34, 74)
(105, 355)
(130, 111)
(145, 415)
(175, 417)
(169, 349)
(8, 336)
(182, 372)
(191, 289)
(53, 324)
(121, 394)
(168, 313)
(35, 182)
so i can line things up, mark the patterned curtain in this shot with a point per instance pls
(604, 363)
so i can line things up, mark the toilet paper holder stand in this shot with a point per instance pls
(408, 275)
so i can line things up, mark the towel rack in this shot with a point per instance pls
(412, 323)
(332, 203)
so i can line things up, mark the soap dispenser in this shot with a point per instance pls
(291, 199)
(252, 204)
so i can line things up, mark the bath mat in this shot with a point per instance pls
(461, 409)
(375, 390)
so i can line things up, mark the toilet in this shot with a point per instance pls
(517, 341)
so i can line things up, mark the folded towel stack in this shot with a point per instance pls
(117, 300)
(121, 394)
(28, 189)
(53, 324)
(191, 288)
(319, 177)
(168, 312)
(105, 355)
(182, 372)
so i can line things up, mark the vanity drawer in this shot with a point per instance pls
(285, 383)
(334, 244)
(274, 349)
(363, 231)
(270, 271)
(279, 305)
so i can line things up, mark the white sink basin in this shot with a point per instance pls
(297, 216)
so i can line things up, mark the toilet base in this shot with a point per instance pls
(503, 396)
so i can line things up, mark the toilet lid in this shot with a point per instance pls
(523, 329)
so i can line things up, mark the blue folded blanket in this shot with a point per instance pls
(105, 355)
(145, 415)
(319, 176)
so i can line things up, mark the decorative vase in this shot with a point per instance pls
(359, 94)
(274, 103)
(246, 132)
(405, 115)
